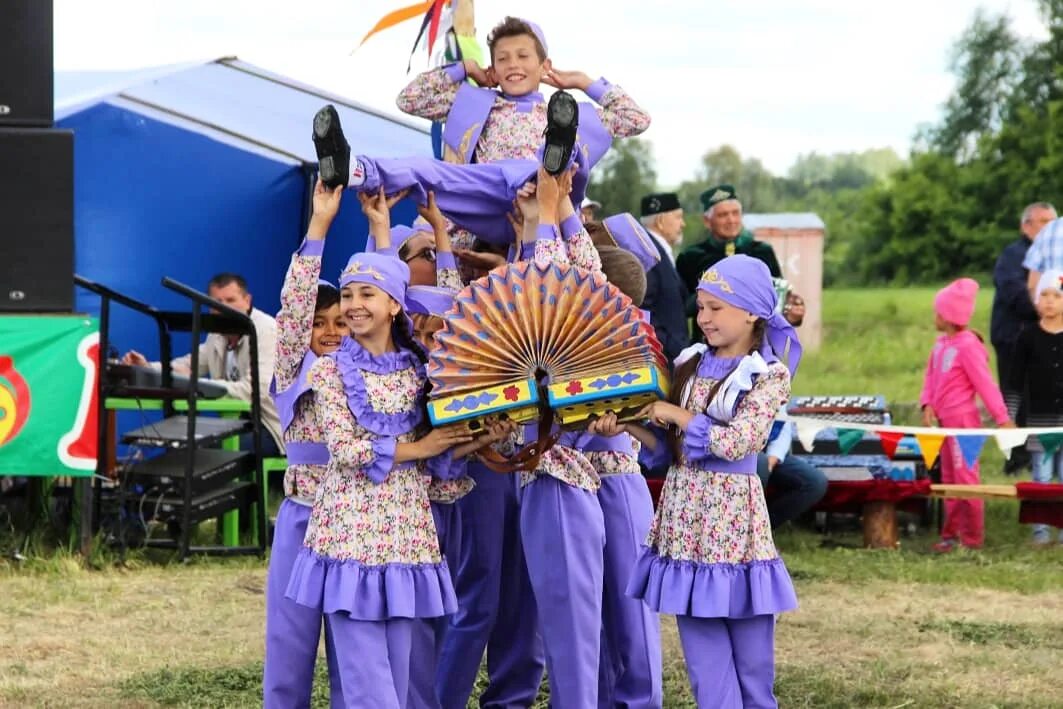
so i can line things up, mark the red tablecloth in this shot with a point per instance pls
(845, 495)
(1041, 503)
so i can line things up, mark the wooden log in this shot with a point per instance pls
(880, 525)
(983, 492)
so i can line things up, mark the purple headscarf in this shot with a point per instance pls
(632, 237)
(429, 300)
(399, 235)
(745, 282)
(387, 273)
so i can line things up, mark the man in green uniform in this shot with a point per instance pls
(724, 237)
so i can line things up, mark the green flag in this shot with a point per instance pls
(848, 438)
(48, 370)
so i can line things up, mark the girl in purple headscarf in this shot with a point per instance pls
(710, 559)
(370, 560)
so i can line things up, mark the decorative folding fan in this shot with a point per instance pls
(525, 325)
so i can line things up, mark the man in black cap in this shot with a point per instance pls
(666, 296)
(724, 237)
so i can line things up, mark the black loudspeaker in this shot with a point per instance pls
(26, 75)
(36, 220)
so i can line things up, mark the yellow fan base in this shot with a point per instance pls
(553, 324)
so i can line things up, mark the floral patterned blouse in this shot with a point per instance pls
(514, 129)
(295, 323)
(720, 518)
(368, 509)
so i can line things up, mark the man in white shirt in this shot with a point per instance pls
(227, 358)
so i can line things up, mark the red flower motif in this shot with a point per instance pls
(574, 387)
(511, 393)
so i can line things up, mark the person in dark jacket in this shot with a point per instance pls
(724, 236)
(665, 293)
(1012, 308)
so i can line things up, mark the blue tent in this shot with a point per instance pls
(191, 170)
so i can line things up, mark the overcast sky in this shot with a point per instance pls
(775, 78)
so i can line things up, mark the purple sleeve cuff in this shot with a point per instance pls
(696, 438)
(455, 72)
(571, 226)
(445, 259)
(389, 251)
(659, 456)
(444, 467)
(596, 90)
(547, 231)
(311, 247)
(383, 459)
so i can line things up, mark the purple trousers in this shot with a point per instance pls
(630, 675)
(374, 660)
(428, 633)
(564, 539)
(475, 197)
(292, 631)
(731, 662)
(496, 609)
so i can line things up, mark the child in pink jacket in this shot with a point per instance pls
(957, 370)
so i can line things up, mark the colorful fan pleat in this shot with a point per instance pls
(559, 326)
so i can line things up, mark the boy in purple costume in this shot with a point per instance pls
(309, 325)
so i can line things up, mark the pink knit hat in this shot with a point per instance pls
(955, 302)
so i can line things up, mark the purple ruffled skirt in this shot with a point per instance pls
(712, 590)
(371, 592)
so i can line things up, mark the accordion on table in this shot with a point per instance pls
(527, 336)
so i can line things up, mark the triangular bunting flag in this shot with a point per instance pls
(889, 439)
(1009, 438)
(971, 447)
(806, 433)
(1050, 442)
(929, 446)
(847, 438)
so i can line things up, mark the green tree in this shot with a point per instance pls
(624, 176)
(985, 60)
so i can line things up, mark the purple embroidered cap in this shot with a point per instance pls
(323, 282)
(429, 300)
(632, 237)
(387, 273)
(745, 282)
(399, 235)
(538, 32)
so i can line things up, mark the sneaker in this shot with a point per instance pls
(333, 151)
(562, 120)
(944, 547)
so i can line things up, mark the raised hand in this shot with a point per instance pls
(548, 194)
(483, 77)
(326, 205)
(526, 202)
(561, 79)
(432, 215)
(480, 260)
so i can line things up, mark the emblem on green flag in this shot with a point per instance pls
(48, 371)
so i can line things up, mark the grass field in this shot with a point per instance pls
(875, 628)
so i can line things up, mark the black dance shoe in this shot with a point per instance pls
(562, 120)
(333, 151)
